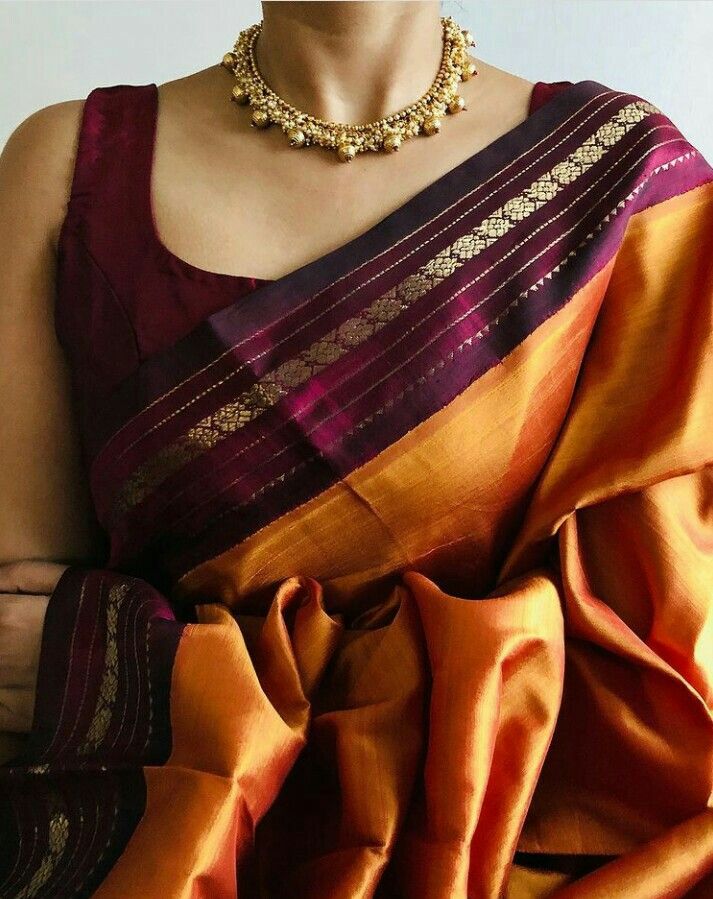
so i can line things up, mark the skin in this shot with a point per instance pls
(226, 198)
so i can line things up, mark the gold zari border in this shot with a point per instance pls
(58, 835)
(108, 687)
(266, 392)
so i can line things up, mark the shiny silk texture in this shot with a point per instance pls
(409, 553)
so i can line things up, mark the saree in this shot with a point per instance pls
(407, 591)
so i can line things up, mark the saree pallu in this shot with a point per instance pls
(408, 590)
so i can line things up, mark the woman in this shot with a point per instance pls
(370, 503)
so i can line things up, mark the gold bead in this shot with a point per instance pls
(432, 125)
(468, 38)
(240, 95)
(229, 61)
(468, 71)
(346, 152)
(392, 142)
(260, 119)
(456, 104)
(296, 137)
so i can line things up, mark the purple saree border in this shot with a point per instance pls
(276, 300)
(245, 359)
(72, 799)
(61, 833)
(179, 503)
(220, 525)
(188, 483)
(216, 529)
(73, 658)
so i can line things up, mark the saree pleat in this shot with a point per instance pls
(425, 619)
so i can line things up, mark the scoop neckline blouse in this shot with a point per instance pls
(245, 282)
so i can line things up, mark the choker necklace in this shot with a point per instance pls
(421, 117)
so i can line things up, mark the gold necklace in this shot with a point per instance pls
(421, 117)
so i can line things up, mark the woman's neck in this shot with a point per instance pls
(350, 61)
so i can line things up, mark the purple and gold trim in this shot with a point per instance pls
(274, 399)
(71, 802)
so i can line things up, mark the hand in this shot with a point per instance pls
(25, 588)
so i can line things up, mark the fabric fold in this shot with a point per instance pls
(410, 566)
(469, 688)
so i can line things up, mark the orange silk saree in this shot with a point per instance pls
(410, 562)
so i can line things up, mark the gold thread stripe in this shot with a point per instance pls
(521, 169)
(491, 325)
(512, 276)
(58, 834)
(409, 387)
(110, 676)
(213, 428)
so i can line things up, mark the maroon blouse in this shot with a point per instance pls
(121, 294)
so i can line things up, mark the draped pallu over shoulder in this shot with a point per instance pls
(409, 553)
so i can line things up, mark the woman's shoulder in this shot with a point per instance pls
(37, 163)
(618, 97)
(54, 121)
(661, 136)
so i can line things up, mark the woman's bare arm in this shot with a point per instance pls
(45, 509)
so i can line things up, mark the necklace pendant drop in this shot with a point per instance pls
(240, 95)
(296, 137)
(346, 152)
(260, 119)
(392, 142)
(432, 125)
